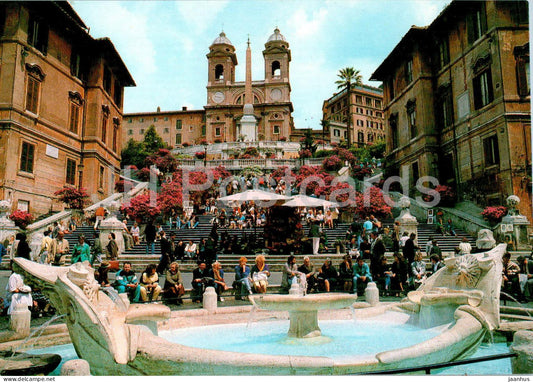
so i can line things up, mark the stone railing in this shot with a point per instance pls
(236, 164)
(459, 218)
(118, 196)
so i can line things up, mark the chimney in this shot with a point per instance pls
(184, 108)
(158, 109)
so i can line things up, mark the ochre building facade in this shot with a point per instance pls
(364, 107)
(61, 97)
(219, 121)
(457, 102)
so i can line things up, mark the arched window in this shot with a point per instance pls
(360, 137)
(239, 100)
(276, 69)
(219, 72)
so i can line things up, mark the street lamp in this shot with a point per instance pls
(205, 154)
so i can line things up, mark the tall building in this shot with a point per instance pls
(364, 107)
(221, 120)
(61, 96)
(457, 102)
(270, 97)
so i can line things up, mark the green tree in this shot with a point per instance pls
(152, 141)
(348, 78)
(307, 142)
(133, 154)
(377, 150)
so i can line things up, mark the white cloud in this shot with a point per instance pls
(424, 12)
(304, 23)
(199, 15)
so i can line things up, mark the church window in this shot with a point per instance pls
(276, 129)
(219, 72)
(276, 69)
(217, 131)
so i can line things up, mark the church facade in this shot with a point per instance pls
(222, 118)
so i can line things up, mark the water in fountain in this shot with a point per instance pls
(38, 332)
(518, 302)
(250, 316)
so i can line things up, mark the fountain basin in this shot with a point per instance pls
(303, 310)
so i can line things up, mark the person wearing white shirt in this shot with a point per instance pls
(190, 250)
(17, 293)
(464, 247)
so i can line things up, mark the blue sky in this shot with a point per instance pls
(164, 43)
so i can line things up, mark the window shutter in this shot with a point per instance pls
(483, 15)
(521, 78)
(470, 27)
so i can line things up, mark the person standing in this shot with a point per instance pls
(377, 249)
(99, 214)
(314, 233)
(112, 247)
(409, 249)
(60, 249)
(81, 251)
(17, 292)
(96, 249)
(149, 235)
(166, 249)
(46, 249)
(22, 249)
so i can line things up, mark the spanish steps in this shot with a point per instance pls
(138, 257)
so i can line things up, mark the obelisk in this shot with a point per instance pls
(248, 120)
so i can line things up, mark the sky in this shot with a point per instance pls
(164, 43)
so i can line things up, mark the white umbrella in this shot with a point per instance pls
(255, 195)
(308, 201)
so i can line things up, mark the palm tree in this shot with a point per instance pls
(348, 78)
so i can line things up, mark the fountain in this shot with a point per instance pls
(445, 319)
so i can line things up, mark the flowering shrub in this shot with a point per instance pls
(185, 144)
(372, 202)
(122, 185)
(144, 174)
(199, 155)
(73, 197)
(203, 142)
(250, 152)
(218, 140)
(360, 171)
(334, 144)
(447, 195)
(283, 139)
(163, 160)
(21, 218)
(140, 207)
(494, 214)
(332, 163)
(305, 153)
